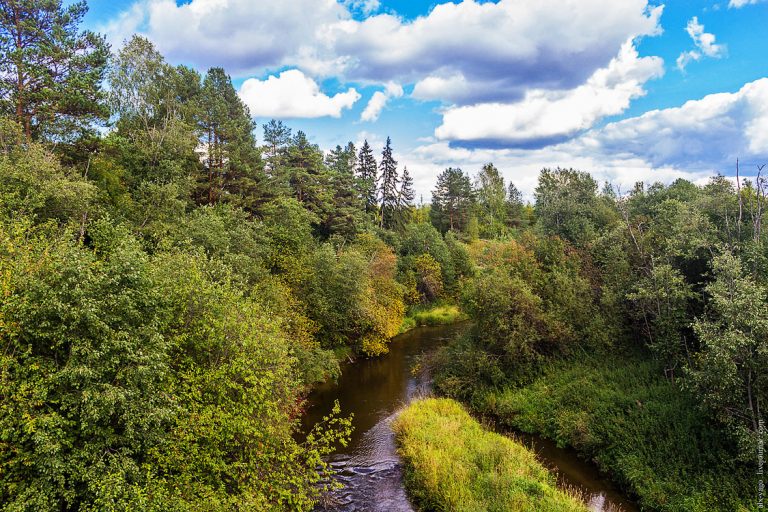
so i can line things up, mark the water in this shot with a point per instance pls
(374, 390)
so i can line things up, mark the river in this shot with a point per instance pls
(374, 390)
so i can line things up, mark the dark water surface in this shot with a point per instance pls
(374, 390)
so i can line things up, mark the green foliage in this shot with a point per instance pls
(662, 301)
(51, 70)
(452, 201)
(428, 277)
(430, 315)
(646, 433)
(235, 372)
(491, 202)
(730, 371)
(567, 205)
(353, 297)
(85, 366)
(452, 463)
(34, 183)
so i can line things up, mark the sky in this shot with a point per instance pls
(629, 90)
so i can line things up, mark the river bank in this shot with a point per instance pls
(432, 315)
(373, 391)
(646, 434)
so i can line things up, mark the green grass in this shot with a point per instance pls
(454, 464)
(436, 314)
(648, 434)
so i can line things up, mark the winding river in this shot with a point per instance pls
(374, 390)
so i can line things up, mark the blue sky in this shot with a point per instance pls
(629, 90)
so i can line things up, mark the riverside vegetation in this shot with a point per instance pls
(171, 289)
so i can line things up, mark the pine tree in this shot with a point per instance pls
(50, 72)
(231, 160)
(306, 174)
(405, 199)
(452, 201)
(366, 177)
(389, 181)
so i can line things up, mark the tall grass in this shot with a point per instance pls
(646, 432)
(435, 314)
(454, 464)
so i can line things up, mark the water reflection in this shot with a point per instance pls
(374, 390)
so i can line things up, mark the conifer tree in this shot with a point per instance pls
(452, 201)
(388, 187)
(50, 71)
(231, 160)
(366, 177)
(345, 218)
(405, 199)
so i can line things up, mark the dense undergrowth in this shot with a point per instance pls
(454, 464)
(648, 435)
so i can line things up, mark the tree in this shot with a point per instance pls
(345, 217)
(389, 181)
(404, 200)
(452, 201)
(307, 176)
(229, 154)
(50, 72)
(661, 302)
(567, 204)
(367, 177)
(156, 104)
(277, 138)
(515, 206)
(491, 197)
(730, 372)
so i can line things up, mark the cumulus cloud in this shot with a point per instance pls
(543, 116)
(379, 100)
(293, 94)
(240, 35)
(498, 49)
(694, 141)
(522, 167)
(469, 50)
(705, 44)
(709, 132)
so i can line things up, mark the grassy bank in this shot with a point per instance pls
(453, 463)
(433, 314)
(650, 436)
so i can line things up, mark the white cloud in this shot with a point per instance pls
(469, 50)
(499, 49)
(243, 36)
(379, 100)
(522, 167)
(293, 94)
(741, 3)
(709, 132)
(543, 116)
(694, 141)
(705, 44)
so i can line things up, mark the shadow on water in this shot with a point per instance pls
(374, 390)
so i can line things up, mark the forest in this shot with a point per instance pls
(175, 280)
